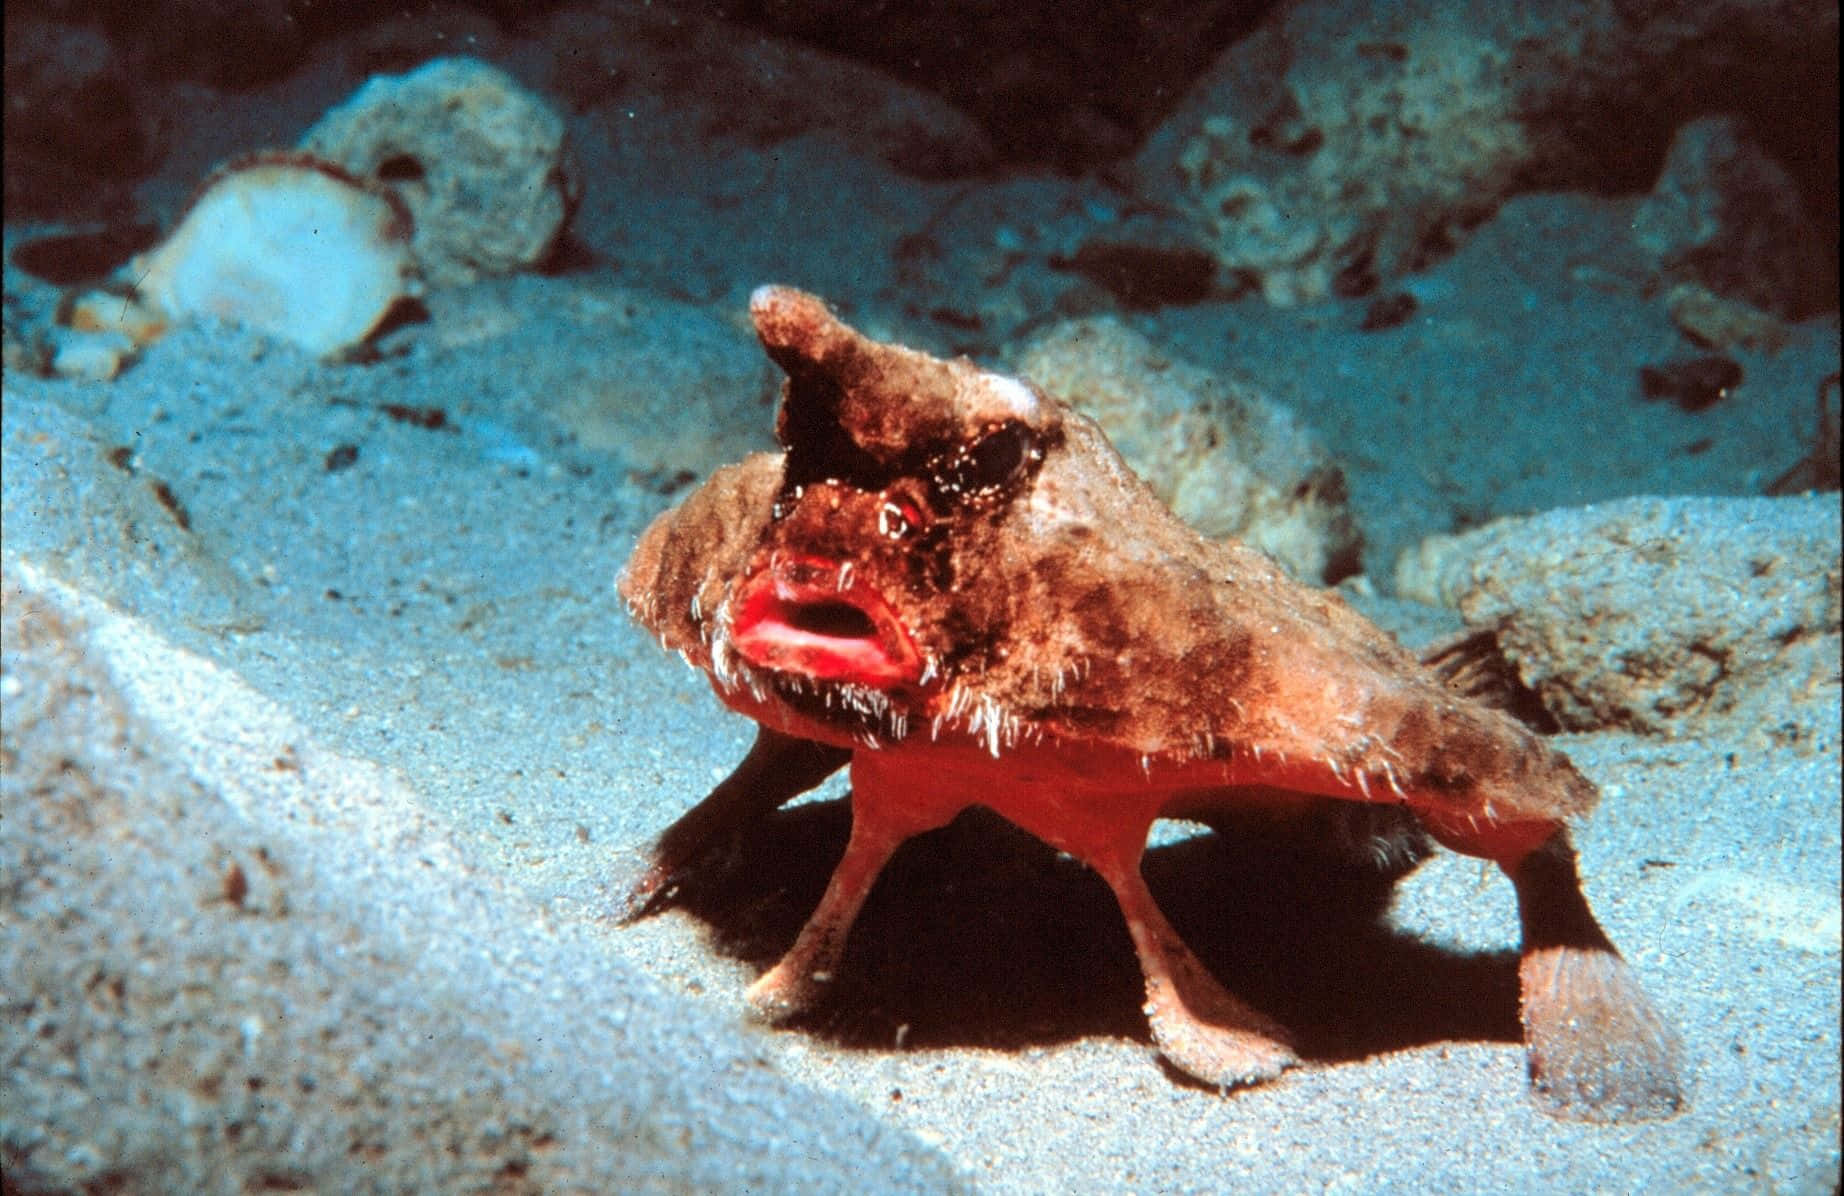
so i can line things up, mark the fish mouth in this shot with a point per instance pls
(809, 617)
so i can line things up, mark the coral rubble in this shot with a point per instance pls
(1656, 615)
(479, 161)
(1230, 460)
(1345, 143)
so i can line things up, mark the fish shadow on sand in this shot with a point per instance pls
(979, 935)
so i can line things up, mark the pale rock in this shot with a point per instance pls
(1657, 615)
(480, 162)
(1228, 459)
(283, 244)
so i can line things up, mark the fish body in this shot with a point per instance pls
(950, 582)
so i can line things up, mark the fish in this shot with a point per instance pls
(949, 582)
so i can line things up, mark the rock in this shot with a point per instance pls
(236, 960)
(1343, 143)
(1655, 615)
(114, 310)
(69, 259)
(1145, 263)
(479, 161)
(284, 244)
(92, 356)
(1712, 320)
(1368, 151)
(1229, 460)
(979, 264)
(1389, 311)
(621, 52)
(1725, 214)
(1693, 383)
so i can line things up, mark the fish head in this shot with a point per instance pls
(900, 472)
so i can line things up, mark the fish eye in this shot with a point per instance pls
(988, 465)
(996, 457)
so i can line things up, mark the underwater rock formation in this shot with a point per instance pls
(1706, 318)
(443, 175)
(1344, 143)
(1229, 460)
(1724, 214)
(755, 90)
(479, 161)
(1653, 614)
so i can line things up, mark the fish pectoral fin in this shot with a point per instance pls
(879, 826)
(777, 769)
(1598, 1049)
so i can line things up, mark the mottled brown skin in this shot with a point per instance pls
(953, 583)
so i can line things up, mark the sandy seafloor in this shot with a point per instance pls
(443, 608)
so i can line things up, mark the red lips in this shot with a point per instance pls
(810, 617)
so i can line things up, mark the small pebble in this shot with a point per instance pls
(92, 356)
(1693, 383)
